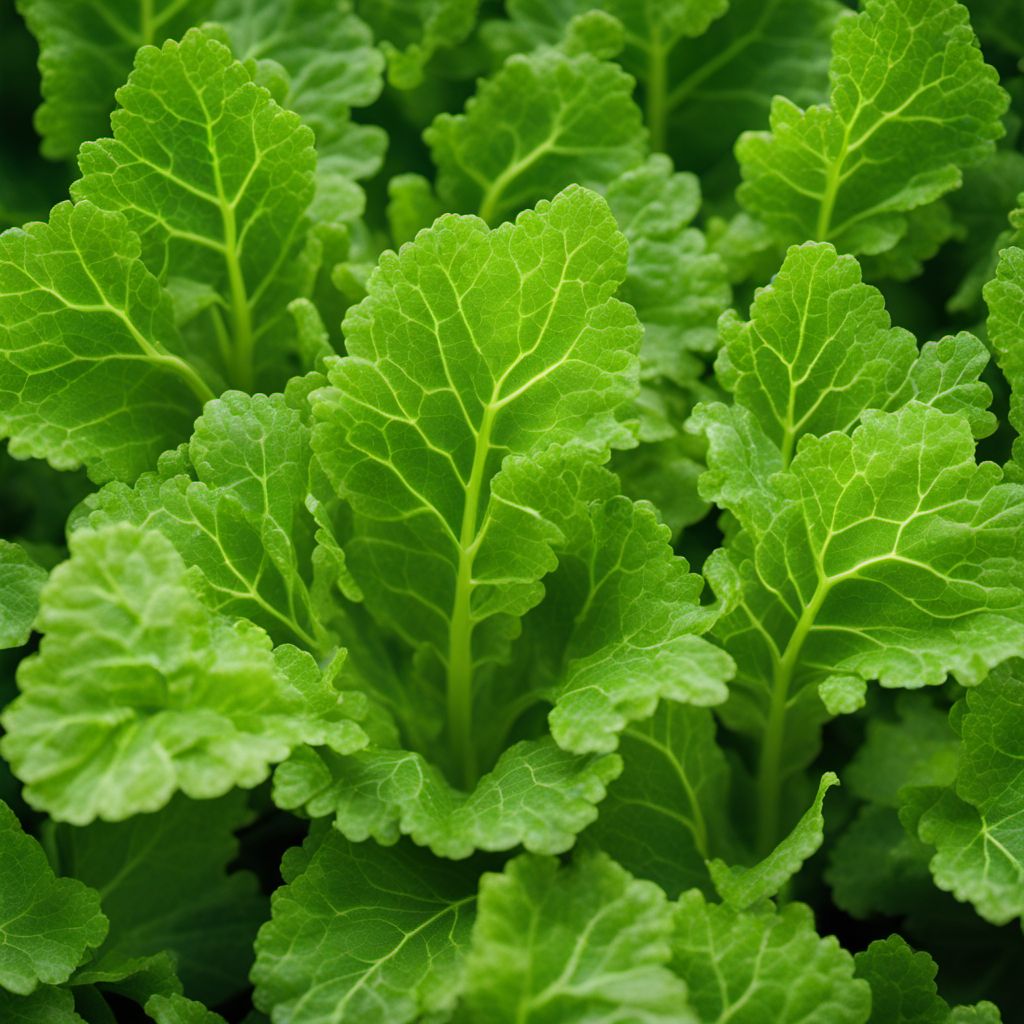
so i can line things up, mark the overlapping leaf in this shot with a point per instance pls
(139, 690)
(911, 102)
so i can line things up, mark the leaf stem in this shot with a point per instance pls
(656, 99)
(460, 638)
(769, 771)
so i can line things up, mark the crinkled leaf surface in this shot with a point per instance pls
(412, 31)
(92, 368)
(20, 582)
(362, 932)
(328, 55)
(44, 1006)
(176, 1009)
(86, 49)
(911, 102)
(215, 178)
(139, 690)
(743, 887)
(975, 825)
(558, 945)
(545, 120)
(878, 552)
(666, 812)
(46, 923)
(747, 967)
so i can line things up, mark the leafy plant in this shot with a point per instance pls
(512, 512)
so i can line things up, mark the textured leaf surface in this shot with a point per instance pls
(412, 31)
(537, 795)
(20, 582)
(215, 178)
(362, 932)
(46, 923)
(138, 690)
(176, 1009)
(92, 368)
(911, 102)
(86, 49)
(582, 943)
(975, 825)
(747, 968)
(743, 887)
(543, 121)
(667, 810)
(436, 391)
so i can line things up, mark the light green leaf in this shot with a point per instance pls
(975, 824)
(86, 48)
(165, 886)
(883, 553)
(414, 443)
(328, 55)
(362, 932)
(763, 965)
(743, 887)
(412, 31)
(92, 368)
(412, 206)
(911, 102)
(46, 923)
(668, 809)
(229, 210)
(545, 120)
(20, 582)
(139, 690)
(558, 945)
(242, 521)
(536, 795)
(1005, 298)
(677, 287)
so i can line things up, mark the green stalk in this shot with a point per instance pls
(657, 95)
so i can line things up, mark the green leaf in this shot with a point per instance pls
(165, 886)
(436, 392)
(412, 31)
(331, 64)
(582, 943)
(763, 965)
(743, 887)
(878, 552)
(93, 370)
(46, 923)
(1005, 298)
(228, 210)
(242, 521)
(911, 102)
(537, 795)
(668, 809)
(177, 1009)
(21, 579)
(902, 984)
(361, 931)
(676, 286)
(974, 825)
(86, 49)
(44, 1006)
(545, 120)
(139, 690)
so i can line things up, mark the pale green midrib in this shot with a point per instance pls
(489, 202)
(241, 369)
(460, 636)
